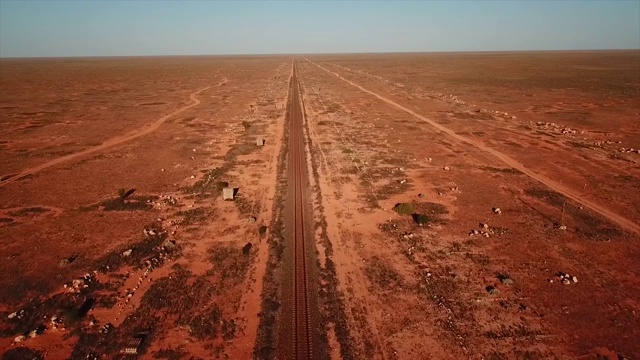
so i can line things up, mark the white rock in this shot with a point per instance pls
(575, 279)
(19, 338)
(446, 168)
(12, 315)
(127, 253)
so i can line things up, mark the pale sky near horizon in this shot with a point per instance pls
(128, 28)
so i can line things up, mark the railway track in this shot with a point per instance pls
(297, 330)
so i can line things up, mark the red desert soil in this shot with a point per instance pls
(451, 193)
(173, 129)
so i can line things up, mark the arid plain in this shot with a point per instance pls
(450, 194)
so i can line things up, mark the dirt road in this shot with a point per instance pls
(108, 143)
(572, 194)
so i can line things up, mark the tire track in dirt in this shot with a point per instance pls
(623, 222)
(109, 142)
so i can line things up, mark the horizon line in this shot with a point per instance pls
(306, 54)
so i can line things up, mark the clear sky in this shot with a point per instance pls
(115, 28)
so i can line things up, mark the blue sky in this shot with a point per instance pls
(120, 28)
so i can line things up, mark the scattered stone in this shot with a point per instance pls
(492, 290)
(402, 181)
(105, 329)
(252, 219)
(567, 279)
(260, 141)
(171, 244)
(19, 338)
(149, 232)
(68, 260)
(127, 253)
(12, 315)
(497, 211)
(485, 226)
(562, 227)
(507, 281)
(446, 168)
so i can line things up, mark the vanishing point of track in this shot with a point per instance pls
(300, 343)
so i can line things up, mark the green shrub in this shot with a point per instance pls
(403, 208)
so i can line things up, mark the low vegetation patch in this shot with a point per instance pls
(501, 170)
(124, 202)
(381, 273)
(21, 353)
(403, 208)
(194, 215)
(230, 263)
(28, 211)
(553, 198)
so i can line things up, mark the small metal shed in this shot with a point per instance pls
(228, 193)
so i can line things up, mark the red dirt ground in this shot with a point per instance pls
(115, 124)
(416, 292)
(450, 137)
